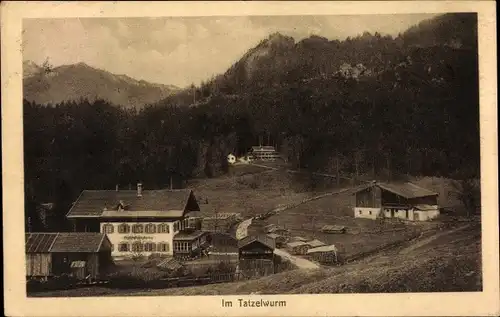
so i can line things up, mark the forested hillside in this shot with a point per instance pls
(373, 104)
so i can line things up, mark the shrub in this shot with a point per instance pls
(137, 278)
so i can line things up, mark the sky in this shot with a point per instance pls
(182, 50)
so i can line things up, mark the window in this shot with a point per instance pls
(150, 228)
(108, 228)
(370, 212)
(163, 228)
(163, 247)
(360, 212)
(149, 247)
(123, 247)
(123, 228)
(138, 228)
(137, 247)
(176, 226)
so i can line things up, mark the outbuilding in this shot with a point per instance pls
(82, 254)
(405, 201)
(326, 254)
(256, 247)
(298, 247)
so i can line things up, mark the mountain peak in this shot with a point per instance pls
(30, 68)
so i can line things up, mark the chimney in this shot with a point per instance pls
(139, 189)
(116, 188)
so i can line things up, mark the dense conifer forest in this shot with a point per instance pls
(373, 105)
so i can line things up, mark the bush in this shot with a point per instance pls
(61, 282)
(138, 278)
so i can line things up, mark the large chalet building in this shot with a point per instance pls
(405, 201)
(137, 221)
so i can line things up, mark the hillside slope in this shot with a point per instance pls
(81, 81)
(451, 262)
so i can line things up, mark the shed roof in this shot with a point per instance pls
(170, 264)
(87, 242)
(333, 228)
(267, 241)
(406, 190)
(152, 203)
(326, 248)
(315, 243)
(39, 242)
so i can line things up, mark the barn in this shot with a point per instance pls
(405, 201)
(256, 247)
(82, 254)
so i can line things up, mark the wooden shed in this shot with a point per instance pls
(326, 254)
(298, 247)
(83, 254)
(256, 247)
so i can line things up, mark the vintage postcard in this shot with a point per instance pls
(250, 158)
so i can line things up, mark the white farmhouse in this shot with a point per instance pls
(405, 201)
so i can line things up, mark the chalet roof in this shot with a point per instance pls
(152, 203)
(315, 243)
(406, 190)
(64, 242)
(188, 236)
(267, 241)
(326, 248)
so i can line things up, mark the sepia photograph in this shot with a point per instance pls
(251, 155)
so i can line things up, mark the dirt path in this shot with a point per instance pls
(428, 240)
(299, 262)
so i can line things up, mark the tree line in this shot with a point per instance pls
(416, 112)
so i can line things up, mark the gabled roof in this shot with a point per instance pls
(267, 241)
(406, 190)
(315, 243)
(294, 244)
(152, 203)
(326, 248)
(87, 242)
